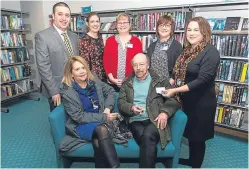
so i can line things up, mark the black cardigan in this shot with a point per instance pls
(173, 52)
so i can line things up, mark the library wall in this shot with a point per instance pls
(13, 5)
(35, 22)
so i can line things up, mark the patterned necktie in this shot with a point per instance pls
(68, 44)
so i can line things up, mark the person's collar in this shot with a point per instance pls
(58, 30)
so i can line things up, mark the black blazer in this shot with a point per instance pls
(173, 52)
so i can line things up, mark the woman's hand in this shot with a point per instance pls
(169, 93)
(112, 116)
(107, 111)
(172, 81)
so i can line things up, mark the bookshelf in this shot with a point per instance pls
(15, 69)
(232, 83)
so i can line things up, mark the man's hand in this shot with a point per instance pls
(56, 99)
(107, 111)
(162, 120)
(137, 109)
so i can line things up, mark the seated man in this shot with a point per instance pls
(140, 99)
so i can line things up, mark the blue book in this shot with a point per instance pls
(219, 24)
(86, 9)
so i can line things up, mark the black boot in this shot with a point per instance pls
(109, 151)
(100, 161)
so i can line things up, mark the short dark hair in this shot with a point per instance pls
(90, 15)
(165, 19)
(60, 4)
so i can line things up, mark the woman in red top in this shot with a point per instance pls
(119, 51)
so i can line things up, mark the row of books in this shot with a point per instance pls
(11, 22)
(12, 39)
(148, 21)
(231, 45)
(16, 88)
(228, 24)
(15, 72)
(233, 70)
(14, 56)
(232, 94)
(230, 116)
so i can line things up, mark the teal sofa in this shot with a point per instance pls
(170, 154)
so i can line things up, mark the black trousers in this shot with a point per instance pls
(147, 137)
(196, 153)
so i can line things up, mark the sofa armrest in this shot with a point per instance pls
(177, 126)
(57, 123)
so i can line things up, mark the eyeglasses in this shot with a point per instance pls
(161, 26)
(138, 65)
(122, 23)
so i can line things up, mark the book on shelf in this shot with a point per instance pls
(15, 88)
(12, 39)
(148, 21)
(12, 56)
(233, 70)
(232, 94)
(11, 22)
(230, 116)
(233, 24)
(245, 24)
(231, 45)
(216, 24)
(15, 72)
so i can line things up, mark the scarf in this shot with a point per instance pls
(182, 62)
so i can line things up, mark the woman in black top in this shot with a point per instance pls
(194, 74)
(164, 52)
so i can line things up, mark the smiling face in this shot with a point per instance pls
(94, 24)
(61, 17)
(123, 24)
(164, 30)
(140, 66)
(79, 72)
(194, 36)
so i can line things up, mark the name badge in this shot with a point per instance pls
(165, 48)
(129, 45)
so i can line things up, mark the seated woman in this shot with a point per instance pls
(88, 103)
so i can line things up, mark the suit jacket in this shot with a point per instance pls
(51, 57)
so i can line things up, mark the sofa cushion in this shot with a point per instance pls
(132, 151)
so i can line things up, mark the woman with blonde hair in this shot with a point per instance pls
(194, 81)
(119, 51)
(88, 103)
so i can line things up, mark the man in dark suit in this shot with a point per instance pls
(53, 47)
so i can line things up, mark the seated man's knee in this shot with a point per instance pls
(149, 139)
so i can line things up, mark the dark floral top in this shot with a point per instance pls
(91, 50)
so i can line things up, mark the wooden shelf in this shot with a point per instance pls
(235, 58)
(13, 64)
(233, 105)
(11, 81)
(231, 82)
(231, 132)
